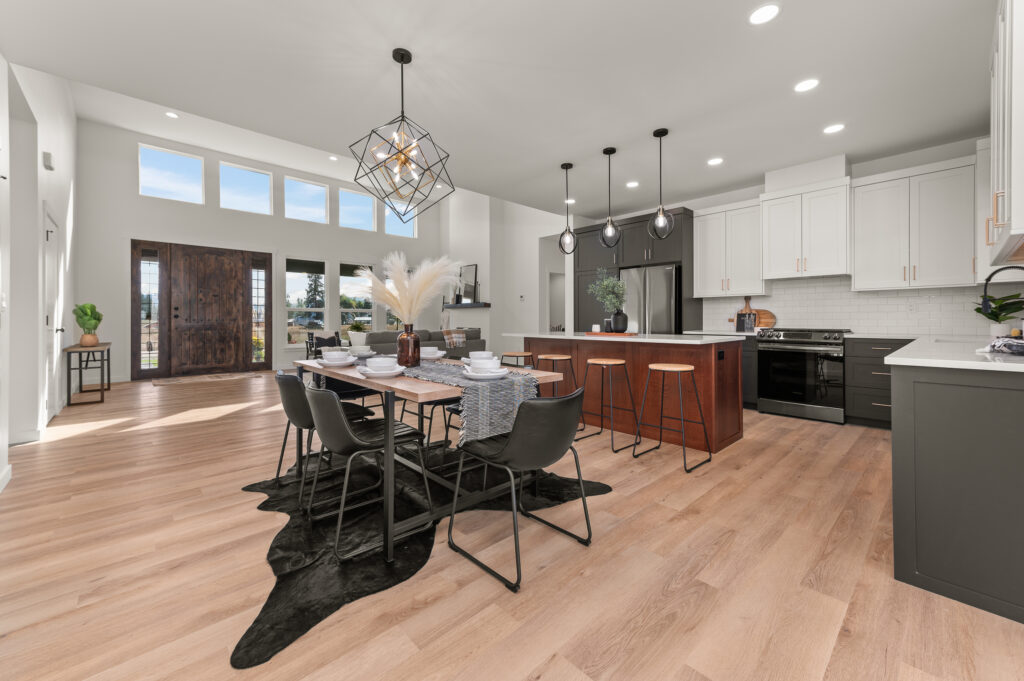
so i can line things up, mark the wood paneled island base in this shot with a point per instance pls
(717, 370)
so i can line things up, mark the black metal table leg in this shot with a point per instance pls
(67, 363)
(389, 476)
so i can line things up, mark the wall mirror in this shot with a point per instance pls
(467, 278)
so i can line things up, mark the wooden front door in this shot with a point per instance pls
(210, 310)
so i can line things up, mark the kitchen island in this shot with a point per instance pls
(958, 472)
(716, 360)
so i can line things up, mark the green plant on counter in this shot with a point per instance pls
(358, 327)
(87, 317)
(1002, 309)
(608, 290)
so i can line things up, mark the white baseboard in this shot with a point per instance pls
(25, 436)
(5, 477)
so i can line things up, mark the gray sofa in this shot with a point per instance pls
(386, 342)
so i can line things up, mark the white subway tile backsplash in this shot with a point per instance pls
(829, 302)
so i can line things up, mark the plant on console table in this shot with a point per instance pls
(611, 293)
(88, 319)
(1000, 311)
(407, 293)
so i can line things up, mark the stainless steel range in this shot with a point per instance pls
(800, 373)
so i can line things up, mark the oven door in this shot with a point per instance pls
(801, 381)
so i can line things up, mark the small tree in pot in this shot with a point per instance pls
(88, 318)
(611, 293)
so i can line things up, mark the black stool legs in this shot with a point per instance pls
(611, 406)
(682, 420)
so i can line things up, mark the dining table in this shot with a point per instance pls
(420, 392)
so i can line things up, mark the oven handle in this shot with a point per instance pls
(809, 349)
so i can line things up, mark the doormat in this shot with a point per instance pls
(312, 584)
(205, 378)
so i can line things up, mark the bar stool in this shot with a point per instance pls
(678, 369)
(555, 360)
(526, 358)
(606, 364)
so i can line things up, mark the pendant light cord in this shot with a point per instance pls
(661, 201)
(401, 68)
(567, 198)
(609, 185)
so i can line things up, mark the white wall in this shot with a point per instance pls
(5, 273)
(828, 302)
(110, 213)
(35, 347)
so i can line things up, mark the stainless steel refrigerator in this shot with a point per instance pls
(653, 298)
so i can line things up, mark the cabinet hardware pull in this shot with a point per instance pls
(723, 284)
(915, 272)
(879, 404)
(805, 264)
(728, 284)
(881, 348)
(798, 264)
(988, 225)
(974, 264)
(881, 373)
(995, 210)
(904, 273)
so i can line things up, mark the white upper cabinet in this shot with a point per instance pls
(781, 237)
(915, 231)
(942, 228)
(709, 255)
(727, 248)
(1007, 115)
(743, 252)
(824, 231)
(881, 235)
(806, 234)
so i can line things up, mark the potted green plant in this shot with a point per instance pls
(88, 318)
(611, 293)
(1001, 311)
(357, 333)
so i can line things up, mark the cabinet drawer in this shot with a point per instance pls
(869, 403)
(874, 347)
(868, 372)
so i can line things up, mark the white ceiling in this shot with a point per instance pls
(513, 89)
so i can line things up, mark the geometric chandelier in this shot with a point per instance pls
(399, 162)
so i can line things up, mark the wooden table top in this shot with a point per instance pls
(412, 389)
(87, 348)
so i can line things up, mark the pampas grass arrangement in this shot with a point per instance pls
(411, 290)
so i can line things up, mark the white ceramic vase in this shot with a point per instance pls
(357, 337)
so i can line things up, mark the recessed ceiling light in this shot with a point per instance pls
(570, 201)
(333, 158)
(805, 85)
(716, 161)
(833, 129)
(632, 184)
(764, 14)
(171, 114)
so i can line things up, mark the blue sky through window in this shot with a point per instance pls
(167, 175)
(395, 227)
(305, 201)
(244, 189)
(355, 210)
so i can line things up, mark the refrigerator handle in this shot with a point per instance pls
(647, 302)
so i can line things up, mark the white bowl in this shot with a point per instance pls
(481, 354)
(336, 354)
(382, 363)
(359, 349)
(490, 364)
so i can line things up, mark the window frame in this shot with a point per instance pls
(415, 224)
(202, 173)
(356, 310)
(327, 200)
(373, 203)
(288, 308)
(220, 187)
(265, 262)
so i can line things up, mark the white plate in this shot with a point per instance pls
(501, 373)
(371, 353)
(437, 356)
(342, 363)
(380, 374)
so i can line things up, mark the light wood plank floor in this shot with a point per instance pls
(128, 551)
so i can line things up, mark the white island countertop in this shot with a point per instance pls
(682, 339)
(954, 352)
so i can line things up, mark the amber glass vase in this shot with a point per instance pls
(408, 348)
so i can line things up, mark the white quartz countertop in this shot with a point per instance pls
(883, 334)
(684, 339)
(723, 332)
(954, 352)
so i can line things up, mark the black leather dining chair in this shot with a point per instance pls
(348, 439)
(541, 435)
(296, 409)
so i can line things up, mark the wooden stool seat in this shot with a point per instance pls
(554, 358)
(605, 362)
(670, 367)
(517, 354)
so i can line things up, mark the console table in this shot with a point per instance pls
(88, 357)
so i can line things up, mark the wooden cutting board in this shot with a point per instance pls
(765, 319)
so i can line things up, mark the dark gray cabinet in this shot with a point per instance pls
(591, 253)
(638, 248)
(868, 380)
(749, 362)
(588, 310)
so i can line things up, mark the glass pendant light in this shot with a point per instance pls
(567, 241)
(610, 233)
(661, 223)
